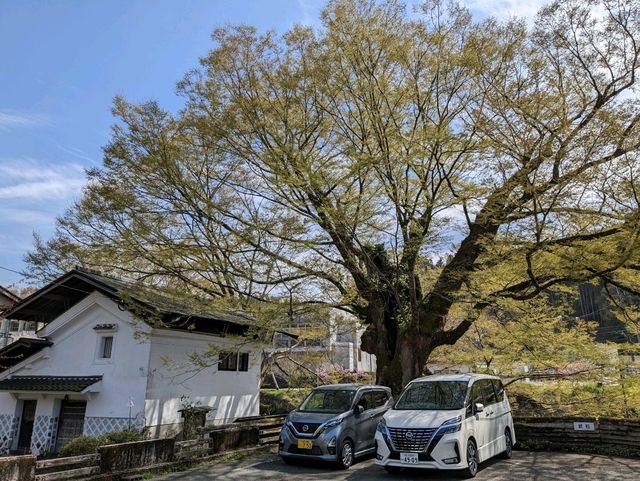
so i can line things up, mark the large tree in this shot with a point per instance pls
(331, 166)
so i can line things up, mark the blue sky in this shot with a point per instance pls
(63, 61)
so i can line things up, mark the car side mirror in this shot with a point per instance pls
(479, 407)
(359, 409)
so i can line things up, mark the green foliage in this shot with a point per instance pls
(281, 401)
(577, 398)
(82, 445)
(90, 444)
(538, 339)
(118, 437)
(336, 374)
(321, 167)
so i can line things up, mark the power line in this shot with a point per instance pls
(13, 270)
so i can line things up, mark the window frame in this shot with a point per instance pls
(106, 344)
(233, 361)
(100, 344)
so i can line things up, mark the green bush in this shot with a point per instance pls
(577, 398)
(89, 444)
(82, 445)
(281, 401)
(118, 437)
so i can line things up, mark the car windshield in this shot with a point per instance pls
(328, 401)
(433, 395)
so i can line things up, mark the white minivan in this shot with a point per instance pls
(446, 422)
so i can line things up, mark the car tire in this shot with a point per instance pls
(346, 454)
(392, 469)
(508, 452)
(473, 460)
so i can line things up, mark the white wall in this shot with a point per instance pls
(74, 353)
(172, 375)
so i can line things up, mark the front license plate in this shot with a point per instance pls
(409, 458)
(304, 444)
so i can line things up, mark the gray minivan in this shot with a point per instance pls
(334, 423)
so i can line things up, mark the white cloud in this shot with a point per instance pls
(37, 180)
(9, 120)
(27, 217)
(310, 10)
(506, 8)
(74, 151)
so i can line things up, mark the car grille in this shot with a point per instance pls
(311, 428)
(408, 439)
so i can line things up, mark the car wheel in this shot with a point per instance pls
(508, 452)
(345, 456)
(473, 460)
(392, 469)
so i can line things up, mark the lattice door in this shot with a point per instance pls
(71, 421)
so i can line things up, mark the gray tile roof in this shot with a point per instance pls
(48, 383)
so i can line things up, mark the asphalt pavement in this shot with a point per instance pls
(524, 466)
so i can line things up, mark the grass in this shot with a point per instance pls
(565, 398)
(281, 401)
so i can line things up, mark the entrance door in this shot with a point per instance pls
(71, 422)
(26, 425)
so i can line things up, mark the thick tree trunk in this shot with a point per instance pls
(401, 356)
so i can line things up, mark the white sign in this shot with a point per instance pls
(584, 426)
(130, 403)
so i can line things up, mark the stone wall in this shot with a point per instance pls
(232, 437)
(121, 457)
(570, 432)
(17, 468)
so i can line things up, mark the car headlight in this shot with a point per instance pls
(382, 427)
(332, 424)
(452, 425)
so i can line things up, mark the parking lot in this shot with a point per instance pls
(534, 466)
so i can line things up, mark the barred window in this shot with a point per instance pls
(106, 347)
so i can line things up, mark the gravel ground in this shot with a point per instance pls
(524, 466)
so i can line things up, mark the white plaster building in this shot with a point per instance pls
(341, 345)
(96, 367)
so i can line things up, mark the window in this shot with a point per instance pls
(243, 361)
(433, 395)
(381, 398)
(499, 388)
(233, 361)
(475, 398)
(332, 401)
(374, 399)
(106, 347)
(488, 394)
